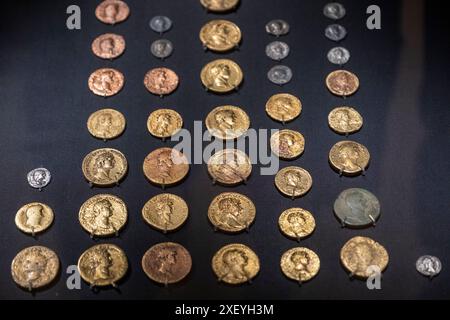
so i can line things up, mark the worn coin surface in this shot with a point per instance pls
(334, 10)
(161, 48)
(349, 157)
(277, 27)
(167, 262)
(219, 5)
(287, 144)
(106, 82)
(160, 24)
(277, 50)
(296, 223)
(345, 120)
(165, 212)
(34, 217)
(227, 122)
(165, 166)
(229, 166)
(161, 81)
(220, 35)
(342, 83)
(39, 178)
(293, 181)
(106, 124)
(280, 74)
(338, 55)
(335, 32)
(300, 264)
(235, 264)
(356, 207)
(164, 123)
(283, 107)
(108, 46)
(221, 75)
(112, 11)
(429, 266)
(104, 167)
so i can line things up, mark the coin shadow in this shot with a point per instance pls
(350, 175)
(355, 227)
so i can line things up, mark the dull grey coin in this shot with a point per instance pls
(356, 207)
(338, 55)
(277, 50)
(280, 74)
(160, 24)
(39, 178)
(161, 48)
(334, 10)
(335, 32)
(429, 266)
(277, 27)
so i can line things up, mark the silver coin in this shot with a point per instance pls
(356, 207)
(280, 74)
(338, 55)
(161, 48)
(334, 10)
(429, 266)
(277, 50)
(335, 32)
(160, 24)
(39, 178)
(277, 27)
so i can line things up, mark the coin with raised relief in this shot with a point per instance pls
(220, 35)
(229, 167)
(227, 122)
(287, 144)
(335, 32)
(277, 50)
(429, 266)
(277, 27)
(161, 81)
(106, 82)
(338, 55)
(39, 178)
(221, 75)
(104, 167)
(300, 264)
(161, 48)
(293, 181)
(219, 5)
(342, 83)
(34, 218)
(345, 120)
(108, 46)
(112, 11)
(106, 124)
(334, 10)
(280, 75)
(356, 207)
(349, 157)
(160, 24)
(164, 123)
(165, 166)
(283, 107)
(165, 212)
(296, 223)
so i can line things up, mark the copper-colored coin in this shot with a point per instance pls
(345, 120)
(106, 124)
(112, 11)
(108, 46)
(220, 35)
(104, 167)
(229, 166)
(283, 107)
(164, 123)
(287, 144)
(221, 75)
(293, 181)
(167, 262)
(219, 5)
(300, 264)
(227, 122)
(34, 217)
(296, 223)
(349, 157)
(165, 212)
(106, 82)
(342, 83)
(161, 81)
(165, 166)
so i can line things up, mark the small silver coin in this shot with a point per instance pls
(356, 207)
(280, 74)
(338, 55)
(429, 266)
(277, 50)
(334, 10)
(161, 48)
(160, 24)
(277, 27)
(39, 178)
(335, 32)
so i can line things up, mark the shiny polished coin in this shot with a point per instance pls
(103, 215)
(349, 157)
(287, 144)
(165, 166)
(356, 207)
(160, 24)
(300, 264)
(342, 83)
(338, 55)
(222, 75)
(335, 32)
(106, 124)
(220, 35)
(165, 212)
(429, 266)
(35, 267)
(108, 46)
(103, 265)
(34, 217)
(106, 82)
(277, 50)
(219, 5)
(227, 122)
(280, 75)
(293, 181)
(363, 257)
(161, 81)
(39, 178)
(345, 120)
(296, 223)
(231, 212)
(283, 107)
(334, 10)
(104, 167)
(164, 123)
(277, 27)
(112, 11)
(235, 264)
(229, 166)
(167, 262)
(161, 48)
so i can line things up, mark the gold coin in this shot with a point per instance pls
(34, 217)
(229, 166)
(104, 167)
(345, 120)
(103, 215)
(231, 212)
(165, 212)
(103, 265)
(296, 223)
(165, 166)
(35, 267)
(106, 124)
(219, 5)
(235, 264)
(222, 75)
(106, 82)
(283, 107)
(300, 264)
(220, 35)
(287, 144)
(349, 157)
(361, 256)
(164, 123)
(342, 83)
(293, 181)
(227, 122)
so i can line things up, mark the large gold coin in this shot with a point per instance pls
(293, 181)
(103, 265)
(227, 122)
(35, 267)
(361, 256)
(342, 83)
(222, 75)
(220, 35)
(300, 264)
(296, 223)
(231, 212)
(283, 107)
(219, 5)
(287, 144)
(349, 157)
(345, 120)
(235, 264)
(104, 167)
(229, 166)
(106, 124)
(106, 82)
(34, 217)
(103, 215)
(165, 212)
(164, 123)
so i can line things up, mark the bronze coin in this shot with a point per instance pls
(112, 11)
(161, 81)
(108, 46)
(106, 82)
(342, 83)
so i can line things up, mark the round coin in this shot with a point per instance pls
(106, 124)
(161, 48)
(165, 166)
(338, 55)
(280, 74)
(112, 11)
(293, 181)
(356, 207)
(300, 264)
(104, 167)
(296, 223)
(222, 75)
(164, 123)
(349, 157)
(429, 266)
(161, 81)
(342, 83)
(108, 46)
(277, 27)
(165, 212)
(283, 107)
(335, 32)
(334, 10)
(227, 122)
(34, 217)
(106, 82)
(229, 166)
(39, 178)
(287, 144)
(277, 50)
(160, 24)
(220, 35)
(219, 5)
(345, 120)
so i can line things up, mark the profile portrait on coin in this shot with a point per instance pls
(428, 265)
(106, 82)
(161, 48)
(166, 259)
(277, 27)
(277, 50)
(296, 221)
(221, 74)
(338, 55)
(335, 32)
(99, 264)
(102, 210)
(220, 34)
(231, 210)
(103, 165)
(334, 10)
(39, 177)
(163, 121)
(280, 74)
(301, 261)
(349, 157)
(235, 261)
(108, 46)
(164, 210)
(294, 179)
(345, 120)
(225, 120)
(34, 215)
(161, 81)
(356, 207)
(160, 24)
(112, 11)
